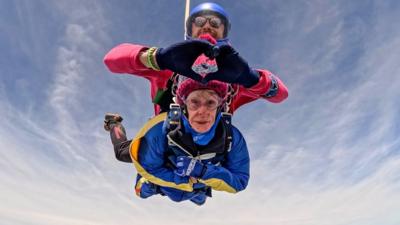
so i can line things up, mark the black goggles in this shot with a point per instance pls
(200, 21)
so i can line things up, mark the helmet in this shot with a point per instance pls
(188, 85)
(206, 9)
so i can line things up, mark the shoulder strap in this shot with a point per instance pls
(232, 92)
(173, 120)
(227, 120)
(227, 123)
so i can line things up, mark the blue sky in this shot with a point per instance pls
(328, 155)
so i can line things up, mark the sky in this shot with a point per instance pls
(328, 155)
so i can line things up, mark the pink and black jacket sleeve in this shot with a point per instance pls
(124, 58)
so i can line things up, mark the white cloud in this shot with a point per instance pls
(326, 158)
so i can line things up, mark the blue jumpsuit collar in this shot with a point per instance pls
(201, 138)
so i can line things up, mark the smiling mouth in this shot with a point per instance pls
(207, 32)
(202, 122)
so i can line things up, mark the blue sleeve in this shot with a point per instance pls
(233, 175)
(152, 165)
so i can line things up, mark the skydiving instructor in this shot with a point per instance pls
(161, 65)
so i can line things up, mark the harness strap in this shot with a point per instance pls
(227, 120)
(232, 92)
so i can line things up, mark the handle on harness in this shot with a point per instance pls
(174, 116)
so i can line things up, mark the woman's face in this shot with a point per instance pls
(202, 108)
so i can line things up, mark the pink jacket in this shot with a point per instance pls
(124, 58)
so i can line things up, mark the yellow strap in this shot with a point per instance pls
(218, 185)
(139, 184)
(134, 150)
(134, 146)
(155, 180)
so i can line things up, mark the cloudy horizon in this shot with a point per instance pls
(328, 155)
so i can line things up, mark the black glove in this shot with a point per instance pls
(232, 68)
(180, 57)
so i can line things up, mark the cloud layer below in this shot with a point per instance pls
(327, 156)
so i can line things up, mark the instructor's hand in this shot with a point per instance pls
(180, 57)
(232, 68)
